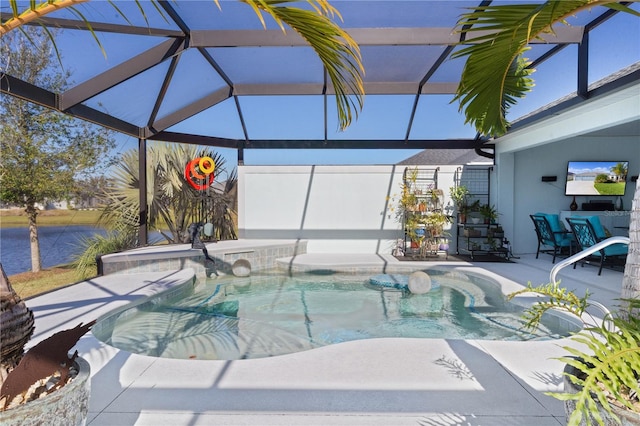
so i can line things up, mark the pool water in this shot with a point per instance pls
(270, 314)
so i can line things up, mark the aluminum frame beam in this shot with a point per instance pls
(415, 36)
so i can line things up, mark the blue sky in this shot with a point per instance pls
(578, 167)
(615, 43)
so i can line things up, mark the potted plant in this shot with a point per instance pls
(489, 213)
(435, 199)
(467, 209)
(443, 243)
(415, 231)
(602, 378)
(408, 201)
(63, 382)
(459, 195)
(434, 223)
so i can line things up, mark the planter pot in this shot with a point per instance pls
(66, 406)
(627, 417)
(471, 232)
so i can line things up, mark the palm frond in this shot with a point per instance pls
(496, 74)
(555, 297)
(338, 52)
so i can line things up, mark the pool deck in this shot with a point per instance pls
(424, 382)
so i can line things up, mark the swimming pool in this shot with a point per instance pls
(271, 313)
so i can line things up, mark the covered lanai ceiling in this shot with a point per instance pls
(199, 74)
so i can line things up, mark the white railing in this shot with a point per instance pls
(584, 253)
(581, 255)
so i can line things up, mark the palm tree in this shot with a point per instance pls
(173, 204)
(620, 170)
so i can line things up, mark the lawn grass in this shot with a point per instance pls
(14, 218)
(29, 284)
(610, 188)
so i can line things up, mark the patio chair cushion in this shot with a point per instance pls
(562, 237)
(597, 227)
(601, 234)
(616, 250)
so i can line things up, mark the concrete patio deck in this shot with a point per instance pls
(423, 382)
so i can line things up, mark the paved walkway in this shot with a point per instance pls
(424, 382)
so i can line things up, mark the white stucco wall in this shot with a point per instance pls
(343, 209)
(338, 209)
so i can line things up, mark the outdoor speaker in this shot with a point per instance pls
(598, 206)
(549, 178)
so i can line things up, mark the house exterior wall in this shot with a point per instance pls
(545, 147)
(532, 195)
(337, 209)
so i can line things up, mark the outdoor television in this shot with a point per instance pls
(594, 178)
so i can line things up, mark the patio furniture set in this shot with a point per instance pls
(583, 232)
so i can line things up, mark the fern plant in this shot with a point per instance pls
(555, 298)
(607, 370)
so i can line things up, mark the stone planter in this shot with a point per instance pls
(627, 417)
(66, 406)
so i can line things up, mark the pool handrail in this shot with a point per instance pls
(584, 253)
(581, 255)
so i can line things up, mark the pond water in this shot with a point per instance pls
(58, 244)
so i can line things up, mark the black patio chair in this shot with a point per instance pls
(556, 237)
(585, 231)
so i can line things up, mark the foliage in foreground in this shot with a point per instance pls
(608, 368)
(608, 373)
(555, 298)
(496, 73)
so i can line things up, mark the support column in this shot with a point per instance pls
(142, 190)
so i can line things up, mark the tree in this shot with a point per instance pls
(173, 203)
(495, 76)
(43, 152)
(620, 170)
(88, 192)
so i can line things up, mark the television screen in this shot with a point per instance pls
(596, 177)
